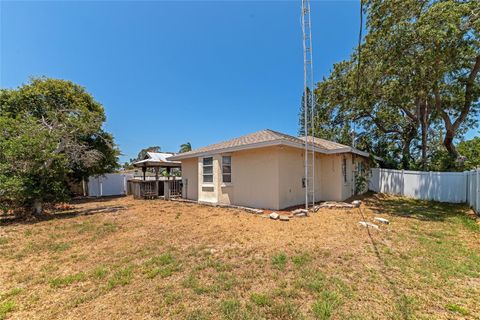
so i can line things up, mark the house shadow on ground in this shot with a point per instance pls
(52, 213)
(415, 209)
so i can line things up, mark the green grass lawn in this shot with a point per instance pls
(165, 260)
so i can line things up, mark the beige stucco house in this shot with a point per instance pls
(265, 169)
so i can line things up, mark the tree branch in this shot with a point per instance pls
(468, 94)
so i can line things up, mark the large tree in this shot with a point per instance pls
(61, 123)
(415, 76)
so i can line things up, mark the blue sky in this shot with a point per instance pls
(178, 71)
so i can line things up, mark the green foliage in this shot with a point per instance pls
(471, 151)
(418, 68)
(185, 147)
(51, 133)
(25, 148)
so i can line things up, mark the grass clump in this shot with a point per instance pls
(323, 308)
(279, 261)
(405, 307)
(261, 300)
(286, 310)
(121, 277)
(164, 265)
(198, 315)
(457, 309)
(6, 307)
(301, 259)
(99, 272)
(10, 293)
(231, 309)
(223, 282)
(67, 280)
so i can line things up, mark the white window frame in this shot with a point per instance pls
(203, 170)
(226, 165)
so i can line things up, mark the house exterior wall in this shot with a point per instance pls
(190, 178)
(291, 174)
(254, 179)
(271, 178)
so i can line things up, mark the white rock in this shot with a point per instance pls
(284, 218)
(368, 224)
(297, 211)
(336, 205)
(356, 203)
(301, 214)
(382, 220)
(253, 210)
(274, 215)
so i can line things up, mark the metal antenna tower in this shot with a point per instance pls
(308, 95)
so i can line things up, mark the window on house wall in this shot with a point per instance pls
(344, 169)
(227, 169)
(208, 169)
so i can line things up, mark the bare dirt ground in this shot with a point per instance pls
(121, 258)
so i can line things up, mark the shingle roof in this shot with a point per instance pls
(264, 138)
(326, 144)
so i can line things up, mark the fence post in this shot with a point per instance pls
(477, 202)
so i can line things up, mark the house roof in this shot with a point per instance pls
(265, 138)
(157, 159)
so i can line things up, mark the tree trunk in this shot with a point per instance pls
(407, 138)
(452, 127)
(406, 153)
(424, 126)
(448, 142)
(37, 207)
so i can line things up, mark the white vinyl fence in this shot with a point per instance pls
(473, 189)
(110, 184)
(455, 187)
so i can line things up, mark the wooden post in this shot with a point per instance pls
(156, 181)
(144, 170)
(477, 202)
(167, 188)
(84, 189)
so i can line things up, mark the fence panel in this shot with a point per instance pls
(110, 184)
(473, 189)
(455, 187)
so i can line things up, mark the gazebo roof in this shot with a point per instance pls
(157, 159)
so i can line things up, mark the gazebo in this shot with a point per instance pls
(165, 186)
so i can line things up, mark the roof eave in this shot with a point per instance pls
(278, 142)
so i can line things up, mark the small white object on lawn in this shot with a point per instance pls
(356, 203)
(382, 220)
(298, 211)
(368, 224)
(284, 218)
(274, 215)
